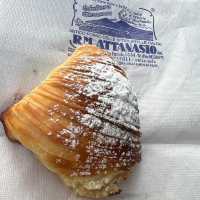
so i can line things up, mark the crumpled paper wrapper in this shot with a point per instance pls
(34, 37)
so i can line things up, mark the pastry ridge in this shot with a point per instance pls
(82, 122)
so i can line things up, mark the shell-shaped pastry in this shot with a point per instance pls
(81, 122)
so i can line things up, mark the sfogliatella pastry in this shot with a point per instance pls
(81, 122)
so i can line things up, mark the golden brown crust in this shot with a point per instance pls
(52, 121)
(9, 136)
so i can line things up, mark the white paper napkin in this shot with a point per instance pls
(34, 38)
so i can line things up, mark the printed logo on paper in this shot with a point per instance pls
(128, 34)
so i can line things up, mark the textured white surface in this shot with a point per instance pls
(33, 39)
(168, 171)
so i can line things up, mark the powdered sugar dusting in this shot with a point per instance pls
(116, 99)
(100, 86)
(114, 114)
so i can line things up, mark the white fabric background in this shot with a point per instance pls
(33, 39)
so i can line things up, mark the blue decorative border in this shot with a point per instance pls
(153, 21)
(75, 10)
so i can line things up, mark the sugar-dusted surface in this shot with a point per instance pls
(103, 109)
